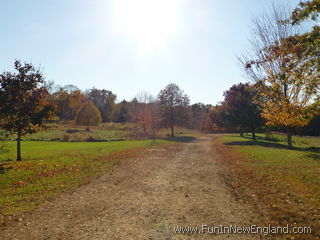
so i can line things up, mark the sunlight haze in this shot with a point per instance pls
(131, 46)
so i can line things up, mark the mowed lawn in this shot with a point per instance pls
(300, 166)
(287, 181)
(51, 167)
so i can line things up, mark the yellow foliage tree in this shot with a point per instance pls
(288, 99)
(88, 115)
(287, 82)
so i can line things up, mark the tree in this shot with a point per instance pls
(105, 102)
(145, 113)
(110, 105)
(286, 93)
(239, 109)
(23, 104)
(244, 111)
(312, 129)
(306, 44)
(267, 29)
(222, 118)
(200, 117)
(121, 113)
(68, 100)
(173, 103)
(141, 115)
(88, 115)
(154, 117)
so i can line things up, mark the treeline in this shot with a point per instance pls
(168, 109)
(283, 65)
(241, 112)
(27, 102)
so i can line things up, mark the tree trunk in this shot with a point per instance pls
(144, 128)
(253, 134)
(172, 131)
(289, 137)
(241, 133)
(19, 146)
(172, 123)
(153, 134)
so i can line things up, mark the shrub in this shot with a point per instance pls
(91, 139)
(88, 115)
(72, 130)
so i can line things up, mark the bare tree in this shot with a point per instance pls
(267, 30)
(146, 113)
(285, 93)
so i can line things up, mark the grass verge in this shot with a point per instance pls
(284, 185)
(49, 168)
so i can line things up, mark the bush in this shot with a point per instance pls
(91, 139)
(72, 130)
(88, 115)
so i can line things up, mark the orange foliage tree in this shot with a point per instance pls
(287, 84)
(23, 101)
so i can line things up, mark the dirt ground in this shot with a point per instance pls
(143, 198)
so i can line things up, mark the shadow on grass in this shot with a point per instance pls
(315, 156)
(257, 143)
(185, 139)
(312, 152)
(250, 138)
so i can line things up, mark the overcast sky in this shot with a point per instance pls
(128, 46)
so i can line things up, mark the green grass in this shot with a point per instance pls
(69, 132)
(65, 156)
(298, 141)
(286, 181)
(49, 168)
(72, 133)
(299, 168)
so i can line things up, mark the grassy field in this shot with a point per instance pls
(285, 182)
(49, 168)
(69, 132)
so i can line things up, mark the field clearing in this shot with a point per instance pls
(284, 184)
(49, 168)
(70, 132)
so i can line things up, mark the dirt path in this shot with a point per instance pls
(143, 198)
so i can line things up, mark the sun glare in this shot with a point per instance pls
(149, 22)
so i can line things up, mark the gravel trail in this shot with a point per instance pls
(143, 198)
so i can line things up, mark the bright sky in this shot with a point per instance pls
(128, 46)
